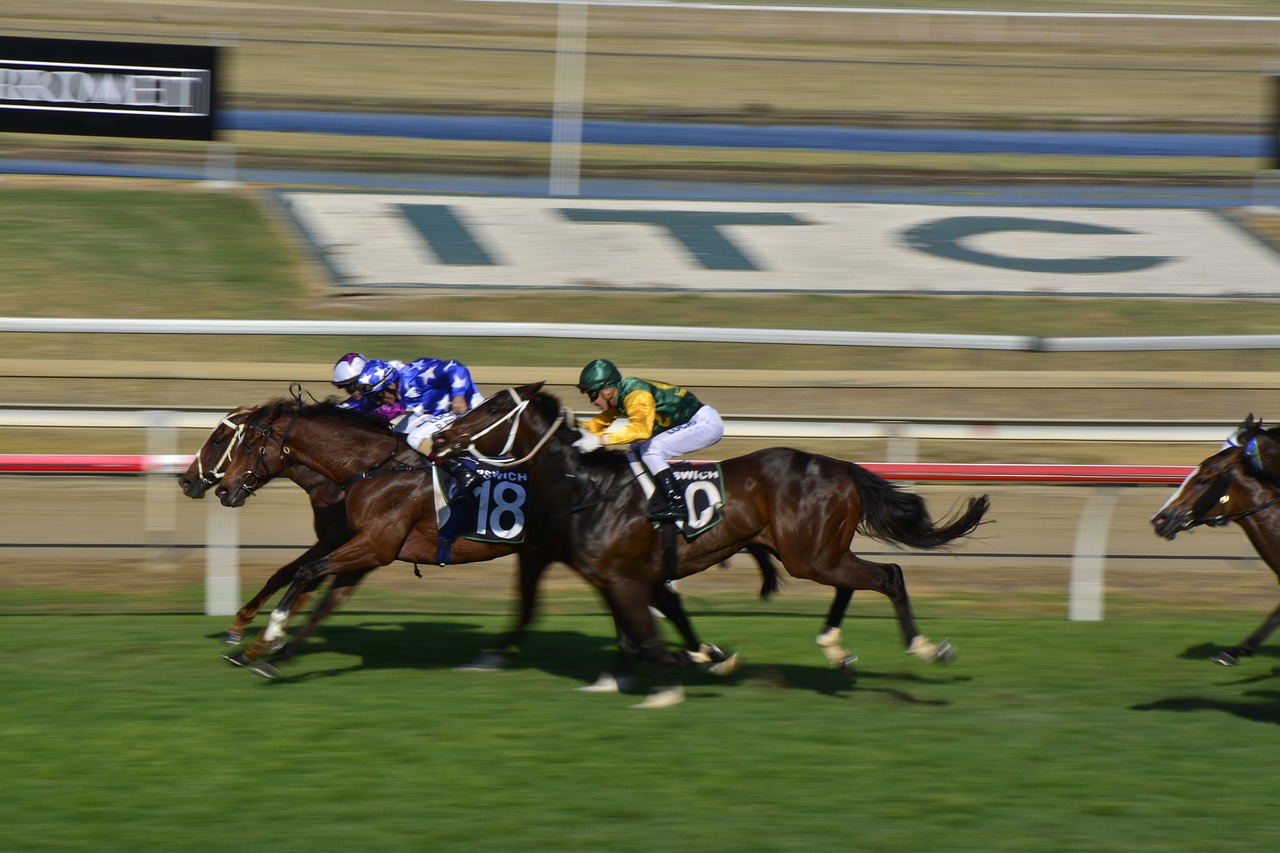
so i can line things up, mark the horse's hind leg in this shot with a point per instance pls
(829, 638)
(851, 573)
(1231, 656)
(669, 604)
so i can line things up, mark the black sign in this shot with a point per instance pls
(100, 88)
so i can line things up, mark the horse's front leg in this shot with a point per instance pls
(1246, 649)
(359, 553)
(532, 565)
(339, 591)
(283, 576)
(629, 600)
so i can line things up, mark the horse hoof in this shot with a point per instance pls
(662, 699)
(726, 667)
(606, 683)
(708, 653)
(261, 667)
(1225, 659)
(231, 638)
(487, 662)
(946, 652)
(237, 659)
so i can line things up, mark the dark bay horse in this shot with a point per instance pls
(328, 508)
(387, 499)
(801, 507)
(1240, 483)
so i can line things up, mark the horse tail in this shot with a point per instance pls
(893, 515)
(768, 570)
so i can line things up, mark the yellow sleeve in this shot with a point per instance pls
(600, 422)
(641, 410)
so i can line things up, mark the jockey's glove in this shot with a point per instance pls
(588, 442)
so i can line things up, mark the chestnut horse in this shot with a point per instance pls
(352, 465)
(801, 507)
(1240, 483)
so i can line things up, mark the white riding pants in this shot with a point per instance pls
(418, 428)
(703, 430)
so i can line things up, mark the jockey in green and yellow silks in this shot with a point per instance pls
(664, 420)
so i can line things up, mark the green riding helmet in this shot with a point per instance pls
(600, 373)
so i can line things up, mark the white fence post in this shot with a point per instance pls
(1089, 554)
(160, 514)
(221, 561)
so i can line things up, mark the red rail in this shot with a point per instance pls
(46, 463)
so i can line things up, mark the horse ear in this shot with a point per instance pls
(1248, 422)
(527, 392)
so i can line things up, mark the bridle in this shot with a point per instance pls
(1216, 495)
(265, 434)
(512, 418)
(212, 476)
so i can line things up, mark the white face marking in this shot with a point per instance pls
(1181, 488)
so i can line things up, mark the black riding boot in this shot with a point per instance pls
(465, 479)
(670, 505)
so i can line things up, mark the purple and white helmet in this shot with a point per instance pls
(375, 376)
(348, 369)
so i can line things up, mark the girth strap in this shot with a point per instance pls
(378, 471)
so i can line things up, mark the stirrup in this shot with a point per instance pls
(664, 510)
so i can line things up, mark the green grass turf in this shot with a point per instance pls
(128, 733)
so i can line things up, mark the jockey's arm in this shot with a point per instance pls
(641, 410)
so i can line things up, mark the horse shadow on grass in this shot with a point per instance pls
(575, 656)
(1259, 706)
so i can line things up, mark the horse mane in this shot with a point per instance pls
(324, 409)
(548, 405)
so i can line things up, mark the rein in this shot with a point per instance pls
(514, 417)
(1244, 513)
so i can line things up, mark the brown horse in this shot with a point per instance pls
(1239, 483)
(330, 523)
(387, 499)
(801, 507)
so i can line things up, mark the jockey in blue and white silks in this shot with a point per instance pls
(431, 393)
(346, 376)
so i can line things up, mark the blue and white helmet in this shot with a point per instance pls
(348, 369)
(375, 376)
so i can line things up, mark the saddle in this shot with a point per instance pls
(703, 487)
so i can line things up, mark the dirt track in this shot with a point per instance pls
(1017, 566)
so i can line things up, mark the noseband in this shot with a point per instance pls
(513, 419)
(213, 476)
(265, 434)
(1216, 495)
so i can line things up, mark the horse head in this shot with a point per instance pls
(1235, 482)
(501, 424)
(208, 467)
(260, 453)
